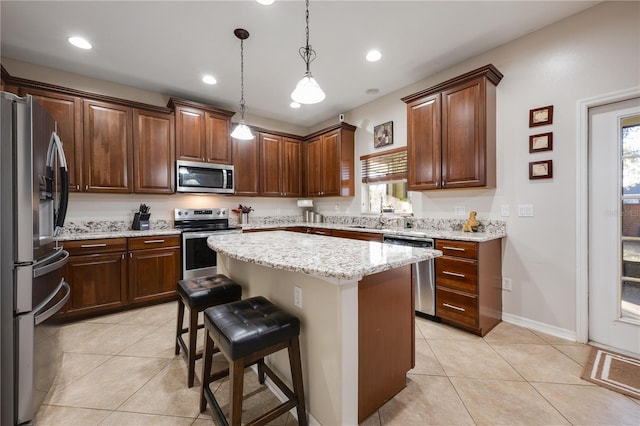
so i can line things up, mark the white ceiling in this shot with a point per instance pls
(168, 46)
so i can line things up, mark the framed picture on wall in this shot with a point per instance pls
(541, 142)
(541, 169)
(541, 116)
(383, 134)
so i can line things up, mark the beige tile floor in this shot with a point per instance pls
(120, 370)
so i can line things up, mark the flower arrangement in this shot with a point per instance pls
(242, 209)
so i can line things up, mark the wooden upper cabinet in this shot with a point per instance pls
(246, 164)
(330, 162)
(202, 132)
(423, 154)
(108, 159)
(190, 134)
(280, 170)
(67, 111)
(270, 165)
(451, 132)
(154, 152)
(292, 167)
(218, 139)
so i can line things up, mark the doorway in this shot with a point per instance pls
(614, 225)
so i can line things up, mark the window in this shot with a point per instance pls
(384, 182)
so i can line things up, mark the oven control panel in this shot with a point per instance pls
(200, 214)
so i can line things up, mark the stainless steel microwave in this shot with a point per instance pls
(193, 176)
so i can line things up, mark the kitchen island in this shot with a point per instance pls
(355, 303)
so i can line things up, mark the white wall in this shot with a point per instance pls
(594, 52)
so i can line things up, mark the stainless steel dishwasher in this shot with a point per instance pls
(423, 274)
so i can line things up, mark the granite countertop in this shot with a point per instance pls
(414, 232)
(116, 234)
(317, 255)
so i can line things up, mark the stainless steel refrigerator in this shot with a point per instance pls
(33, 203)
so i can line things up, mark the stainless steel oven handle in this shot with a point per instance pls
(192, 235)
(42, 317)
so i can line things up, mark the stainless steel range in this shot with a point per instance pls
(197, 225)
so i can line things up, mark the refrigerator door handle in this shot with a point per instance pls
(50, 263)
(41, 317)
(55, 146)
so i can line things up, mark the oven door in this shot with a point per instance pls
(198, 260)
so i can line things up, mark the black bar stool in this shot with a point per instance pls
(199, 294)
(245, 332)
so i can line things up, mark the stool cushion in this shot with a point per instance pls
(247, 326)
(202, 292)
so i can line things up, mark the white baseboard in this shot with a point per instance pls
(541, 327)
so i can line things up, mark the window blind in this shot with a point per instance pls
(385, 166)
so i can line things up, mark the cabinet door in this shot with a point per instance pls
(153, 274)
(67, 111)
(154, 148)
(423, 143)
(314, 167)
(108, 161)
(270, 165)
(463, 135)
(98, 282)
(246, 156)
(291, 168)
(218, 140)
(331, 163)
(190, 134)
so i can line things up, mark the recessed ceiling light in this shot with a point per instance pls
(265, 2)
(209, 79)
(294, 104)
(373, 55)
(372, 91)
(79, 42)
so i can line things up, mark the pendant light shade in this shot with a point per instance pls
(242, 131)
(307, 90)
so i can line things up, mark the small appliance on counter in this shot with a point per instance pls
(307, 210)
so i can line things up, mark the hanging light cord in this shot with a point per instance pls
(307, 53)
(242, 107)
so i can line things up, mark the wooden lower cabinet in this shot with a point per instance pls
(154, 268)
(357, 235)
(386, 339)
(107, 275)
(469, 284)
(97, 274)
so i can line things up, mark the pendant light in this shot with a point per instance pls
(307, 90)
(242, 131)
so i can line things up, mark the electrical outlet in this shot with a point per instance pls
(297, 296)
(525, 210)
(506, 284)
(459, 211)
(504, 210)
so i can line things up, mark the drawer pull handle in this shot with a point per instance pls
(453, 248)
(153, 241)
(92, 245)
(455, 274)
(457, 308)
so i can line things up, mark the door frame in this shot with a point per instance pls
(582, 203)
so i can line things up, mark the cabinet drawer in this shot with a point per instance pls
(106, 245)
(458, 273)
(456, 306)
(154, 241)
(458, 248)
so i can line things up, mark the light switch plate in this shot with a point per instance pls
(506, 284)
(297, 296)
(459, 211)
(504, 210)
(525, 210)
